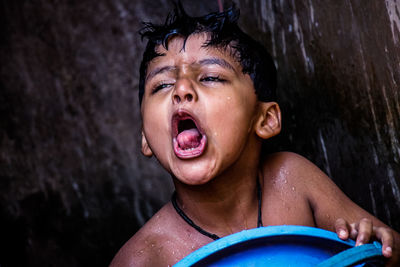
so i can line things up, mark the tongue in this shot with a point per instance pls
(189, 138)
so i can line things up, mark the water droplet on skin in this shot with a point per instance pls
(285, 181)
(141, 251)
(293, 188)
(228, 98)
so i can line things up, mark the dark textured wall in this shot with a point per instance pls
(73, 184)
(339, 79)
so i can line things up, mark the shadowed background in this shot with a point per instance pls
(73, 184)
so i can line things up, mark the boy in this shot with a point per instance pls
(207, 103)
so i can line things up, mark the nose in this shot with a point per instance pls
(184, 92)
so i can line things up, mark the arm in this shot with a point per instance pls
(334, 211)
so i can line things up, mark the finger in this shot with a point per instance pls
(354, 230)
(342, 229)
(386, 237)
(364, 231)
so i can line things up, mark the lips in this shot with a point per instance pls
(189, 141)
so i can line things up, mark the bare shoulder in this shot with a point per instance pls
(308, 179)
(291, 166)
(286, 194)
(286, 160)
(304, 174)
(327, 201)
(139, 248)
(157, 243)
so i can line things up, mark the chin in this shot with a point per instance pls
(194, 174)
(193, 178)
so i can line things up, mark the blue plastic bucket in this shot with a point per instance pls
(284, 246)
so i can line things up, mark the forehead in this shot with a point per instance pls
(192, 50)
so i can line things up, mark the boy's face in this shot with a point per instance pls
(198, 110)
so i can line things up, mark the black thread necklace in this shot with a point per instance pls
(204, 232)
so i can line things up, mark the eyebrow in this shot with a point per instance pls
(159, 71)
(216, 61)
(207, 61)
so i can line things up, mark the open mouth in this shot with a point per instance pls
(188, 139)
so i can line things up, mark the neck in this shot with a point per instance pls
(225, 205)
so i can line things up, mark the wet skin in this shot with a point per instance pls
(216, 184)
(208, 85)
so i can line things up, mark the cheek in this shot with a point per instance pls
(233, 119)
(156, 126)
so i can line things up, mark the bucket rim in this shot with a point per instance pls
(261, 232)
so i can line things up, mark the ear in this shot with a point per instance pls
(146, 150)
(268, 123)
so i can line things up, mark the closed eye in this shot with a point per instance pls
(212, 79)
(160, 87)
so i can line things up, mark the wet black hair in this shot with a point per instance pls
(223, 33)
